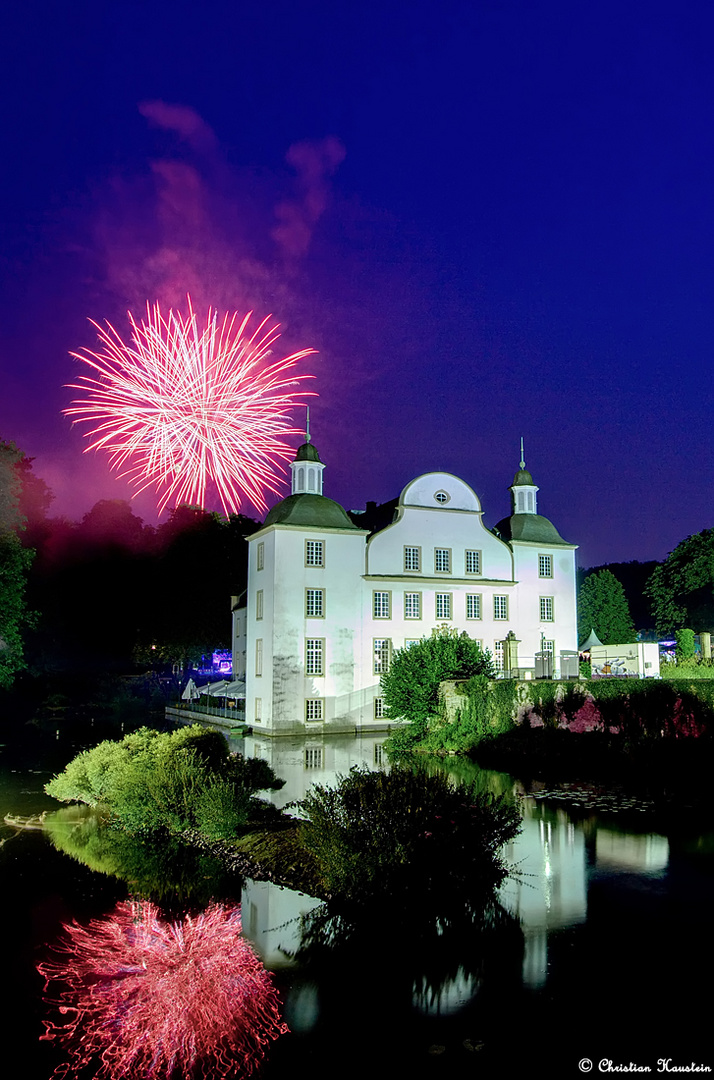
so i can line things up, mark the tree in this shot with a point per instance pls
(14, 614)
(603, 607)
(681, 588)
(411, 686)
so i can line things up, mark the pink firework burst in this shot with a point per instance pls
(155, 1000)
(182, 406)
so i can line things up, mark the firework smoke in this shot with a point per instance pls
(181, 407)
(156, 1000)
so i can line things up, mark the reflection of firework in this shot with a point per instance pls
(151, 999)
(182, 406)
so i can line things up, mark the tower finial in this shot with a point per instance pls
(523, 459)
(307, 429)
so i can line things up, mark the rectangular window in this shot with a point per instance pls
(382, 605)
(443, 605)
(412, 605)
(473, 562)
(314, 603)
(500, 607)
(546, 609)
(378, 708)
(442, 560)
(545, 566)
(259, 604)
(412, 558)
(260, 556)
(313, 710)
(259, 656)
(314, 553)
(314, 656)
(408, 642)
(473, 605)
(258, 708)
(548, 646)
(379, 753)
(498, 655)
(382, 651)
(313, 754)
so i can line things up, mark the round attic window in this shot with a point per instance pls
(442, 497)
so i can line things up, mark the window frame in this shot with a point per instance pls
(260, 555)
(315, 565)
(312, 702)
(321, 594)
(543, 603)
(312, 654)
(380, 662)
(478, 553)
(412, 569)
(416, 595)
(383, 593)
(449, 599)
(497, 617)
(259, 603)
(545, 560)
(479, 598)
(258, 658)
(442, 551)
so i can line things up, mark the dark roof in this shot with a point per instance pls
(307, 452)
(522, 477)
(531, 527)
(313, 511)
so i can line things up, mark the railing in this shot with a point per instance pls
(226, 711)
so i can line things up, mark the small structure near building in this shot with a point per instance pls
(638, 660)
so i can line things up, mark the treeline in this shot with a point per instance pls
(109, 593)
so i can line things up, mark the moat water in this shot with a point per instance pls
(602, 949)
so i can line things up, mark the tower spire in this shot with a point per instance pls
(523, 457)
(307, 426)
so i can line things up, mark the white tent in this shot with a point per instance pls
(191, 691)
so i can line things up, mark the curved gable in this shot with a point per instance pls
(440, 490)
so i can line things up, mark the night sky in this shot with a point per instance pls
(492, 218)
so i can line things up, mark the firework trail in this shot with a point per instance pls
(182, 406)
(156, 1000)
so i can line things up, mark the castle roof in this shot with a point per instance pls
(530, 527)
(310, 511)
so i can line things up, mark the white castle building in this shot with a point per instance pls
(328, 602)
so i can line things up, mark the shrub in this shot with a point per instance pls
(376, 831)
(685, 645)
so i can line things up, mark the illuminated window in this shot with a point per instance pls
(260, 556)
(412, 558)
(500, 607)
(314, 711)
(545, 566)
(314, 656)
(443, 605)
(473, 605)
(259, 656)
(314, 603)
(314, 553)
(381, 605)
(382, 651)
(378, 710)
(442, 560)
(259, 604)
(473, 562)
(412, 605)
(546, 609)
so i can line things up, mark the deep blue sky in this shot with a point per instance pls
(518, 241)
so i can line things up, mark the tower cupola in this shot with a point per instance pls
(524, 498)
(307, 468)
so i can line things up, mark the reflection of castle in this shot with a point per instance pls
(327, 603)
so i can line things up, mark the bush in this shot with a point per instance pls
(411, 686)
(685, 645)
(179, 781)
(378, 832)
